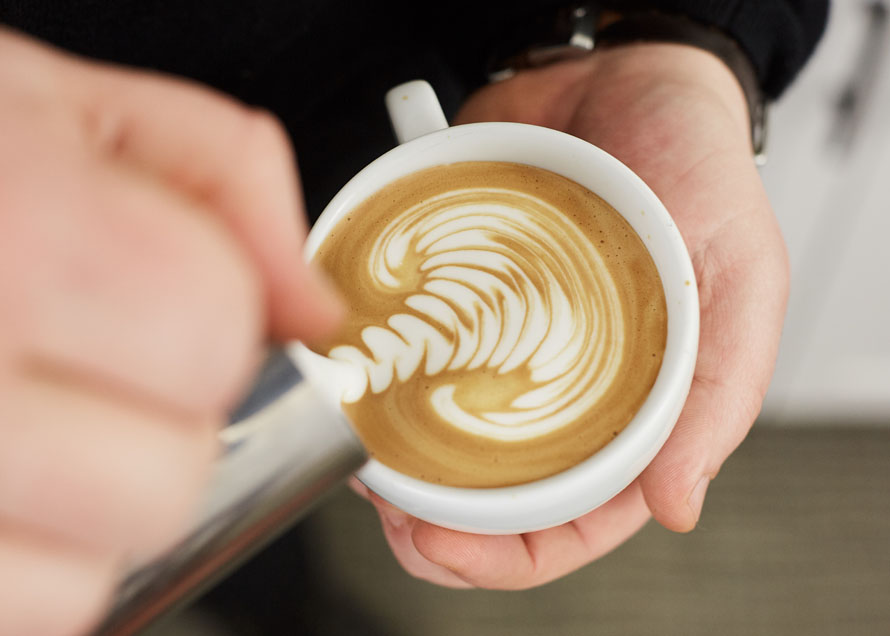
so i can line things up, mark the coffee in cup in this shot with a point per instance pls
(505, 323)
(516, 379)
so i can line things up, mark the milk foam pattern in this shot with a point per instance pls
(494, 281)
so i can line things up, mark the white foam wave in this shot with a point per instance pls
(507, 283)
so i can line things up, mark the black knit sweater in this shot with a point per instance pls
(322, 66)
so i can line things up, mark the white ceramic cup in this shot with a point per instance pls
(426, 141)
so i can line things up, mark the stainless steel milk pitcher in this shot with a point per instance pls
(285, 448)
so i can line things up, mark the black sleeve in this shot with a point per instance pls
(778, 35)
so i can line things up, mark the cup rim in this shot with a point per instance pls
(505, 509)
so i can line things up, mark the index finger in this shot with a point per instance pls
(235, 160)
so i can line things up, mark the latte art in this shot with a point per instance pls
(505, 323)
(500, 280)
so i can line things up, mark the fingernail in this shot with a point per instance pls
(393, 516)
(697, 498)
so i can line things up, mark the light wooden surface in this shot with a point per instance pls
(794, 539)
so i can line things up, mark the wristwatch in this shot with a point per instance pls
(576, 30)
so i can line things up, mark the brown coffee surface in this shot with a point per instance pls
(506, 322)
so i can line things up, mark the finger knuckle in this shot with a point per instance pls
(223, 298)
(75, 609)
(109, 487)
(75, 586)
(79, 607)
(262, 140)
(158, 489)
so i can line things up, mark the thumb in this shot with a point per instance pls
(738, 349)
(675, 483)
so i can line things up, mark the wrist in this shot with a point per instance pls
(652, 25)
(594, 26)
(692, 77)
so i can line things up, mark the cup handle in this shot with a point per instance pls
(414, 110)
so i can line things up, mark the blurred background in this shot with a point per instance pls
(828, 177)
(795, 535)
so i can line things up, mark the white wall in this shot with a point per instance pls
(828, 177)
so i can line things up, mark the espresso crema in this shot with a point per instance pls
(505, 323)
